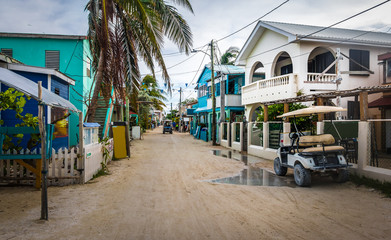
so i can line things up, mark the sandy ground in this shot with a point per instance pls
(160, 193)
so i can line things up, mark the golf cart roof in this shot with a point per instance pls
(312, 110)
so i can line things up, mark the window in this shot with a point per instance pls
(320, 62)
(358, 56)
(217, 89)
(286, 69)
(52, 59)
(7, 51)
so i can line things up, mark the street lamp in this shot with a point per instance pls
(213, 91)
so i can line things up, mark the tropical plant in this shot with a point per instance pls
(229, 57)
(189, 100)
(15, 100)
(121, 31)
(150, 86)
(303, 123)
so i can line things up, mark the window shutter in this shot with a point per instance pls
(7, 51)
(52, 59)
(364, 59)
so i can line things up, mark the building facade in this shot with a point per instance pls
(284, 60)
(68, 54)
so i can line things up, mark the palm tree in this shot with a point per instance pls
(229, 56)
(151, 88)
(121, 31)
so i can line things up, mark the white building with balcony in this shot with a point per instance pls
(284, 60)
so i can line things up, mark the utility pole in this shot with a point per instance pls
(171, 112)
(213, 96)
(180, 108)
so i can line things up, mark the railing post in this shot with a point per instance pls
(265, 134)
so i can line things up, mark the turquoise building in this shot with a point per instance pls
(228, 83)
(70, 54)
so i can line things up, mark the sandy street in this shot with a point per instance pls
(161, 193)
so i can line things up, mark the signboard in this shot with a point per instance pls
(186, 119)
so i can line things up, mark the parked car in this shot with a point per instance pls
(167, 126)
(311, 154)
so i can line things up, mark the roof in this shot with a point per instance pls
(333, 94)
(37, 35)
(30, 88)
(312, 110)
(381, 102)
(88, 124)
(49, 71)
(227, 69)
(300, 32)
(219, 69)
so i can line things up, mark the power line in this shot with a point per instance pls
(229, 35)
(320, 30)
(332, 45)
(199, 67)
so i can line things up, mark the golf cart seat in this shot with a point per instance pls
(310, 144)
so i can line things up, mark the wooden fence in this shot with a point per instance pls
(65, 167)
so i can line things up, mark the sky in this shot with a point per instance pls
(212, 19)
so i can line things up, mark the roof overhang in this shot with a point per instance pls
(30, 89)
(253, 39)
(48, 71)
(37, 35)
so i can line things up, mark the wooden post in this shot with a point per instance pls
(286, 109)
(43, 179)
(363, 106)
(265, 113)
(81, 146)
(319, 102)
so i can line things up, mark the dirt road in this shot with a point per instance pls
(160, 193)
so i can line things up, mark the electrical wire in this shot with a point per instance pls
(229, 35)
(322, 29)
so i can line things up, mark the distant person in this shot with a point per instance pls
(173, 125)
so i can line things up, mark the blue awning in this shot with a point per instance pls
(203, 109)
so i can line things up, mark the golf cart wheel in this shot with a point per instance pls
(164, 132)
(278, 168)
(171, 132)
(341, 176)
(302, 176)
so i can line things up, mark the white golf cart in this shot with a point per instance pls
(308, 154)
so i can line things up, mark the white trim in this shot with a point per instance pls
(26, 68)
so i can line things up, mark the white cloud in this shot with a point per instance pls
(211, 20)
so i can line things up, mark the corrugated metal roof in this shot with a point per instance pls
(39, 35)
(30, 88)
(227, 69)
(337, 34)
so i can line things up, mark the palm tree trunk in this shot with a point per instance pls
(98, 82)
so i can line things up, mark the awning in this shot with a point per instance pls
(312, 110)
(30, 89)
(381, 102)
(203, 109)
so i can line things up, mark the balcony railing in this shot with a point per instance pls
(280, 87)
(326, 78)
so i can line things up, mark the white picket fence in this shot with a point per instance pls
(64, 168)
